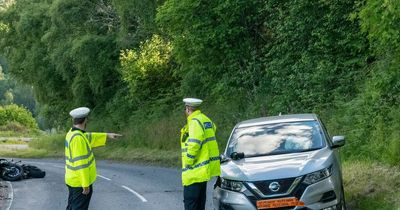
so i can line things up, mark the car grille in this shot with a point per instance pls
(263, 187)
(285, 184)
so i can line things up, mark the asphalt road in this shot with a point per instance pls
(118, 186)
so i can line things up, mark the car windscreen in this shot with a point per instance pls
(279, 138)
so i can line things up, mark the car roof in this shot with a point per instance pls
(277, 119)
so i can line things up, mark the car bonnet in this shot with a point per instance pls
(276, 166)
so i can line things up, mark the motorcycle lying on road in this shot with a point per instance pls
(14, 171)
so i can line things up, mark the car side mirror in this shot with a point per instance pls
(237, 155)
(338, 141)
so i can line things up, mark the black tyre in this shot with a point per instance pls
(342, 204)
(12, 172)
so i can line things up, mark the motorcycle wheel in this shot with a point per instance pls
(12, 172)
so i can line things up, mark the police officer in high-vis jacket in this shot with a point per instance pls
(80, 165)
(200, 155)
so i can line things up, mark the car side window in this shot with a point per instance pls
(326, 133)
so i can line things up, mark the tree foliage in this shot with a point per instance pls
(377, 105)
(132, 60)
(68, 50)
(300, 56)
(13, 92)
(148, 71)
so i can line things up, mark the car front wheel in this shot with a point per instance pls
(342, 203)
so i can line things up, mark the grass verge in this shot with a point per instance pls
(139, 155)
(12, 142)
(33, 133)
(28, 153)
(371, 186)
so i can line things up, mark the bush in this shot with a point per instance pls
(16, 118)
(148, 71)
(14, 127)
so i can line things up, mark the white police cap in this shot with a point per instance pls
(80, 112)
(193, 102)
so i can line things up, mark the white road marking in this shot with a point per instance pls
(103, 177)
(57, 166)
(10, 195)
(135, 193)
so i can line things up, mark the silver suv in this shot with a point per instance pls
(282, 162)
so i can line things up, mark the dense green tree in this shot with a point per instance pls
(374, 123)
(148, 71)
(13, 92)
(69, 50)
(297, 56)
(131, 60)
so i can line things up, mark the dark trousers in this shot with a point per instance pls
(194, 196)
(77, 200)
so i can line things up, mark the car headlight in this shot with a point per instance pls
(232, 185)
(318, 175)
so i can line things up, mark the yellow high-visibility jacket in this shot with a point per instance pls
(80, 165)
(200, 154)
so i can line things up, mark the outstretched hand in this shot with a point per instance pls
(86, 190)
(113, 135)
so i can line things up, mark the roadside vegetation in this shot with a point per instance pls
(371, 185)
(17, 127)
(132, 62)
(17, 121)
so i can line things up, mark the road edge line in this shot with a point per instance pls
(57, 166)
(135, 193)
(10, 195)
(108, 179)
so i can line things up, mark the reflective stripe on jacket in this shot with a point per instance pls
(200, 154)
(80, 165)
